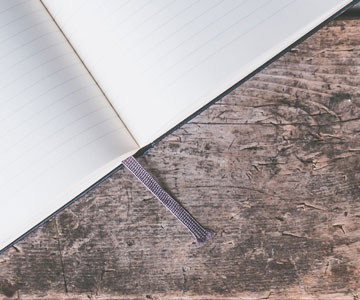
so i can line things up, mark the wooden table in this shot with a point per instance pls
(273, 168)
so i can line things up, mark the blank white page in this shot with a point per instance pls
(58, 133)
(160, 61)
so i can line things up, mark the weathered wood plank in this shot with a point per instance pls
(274, 168)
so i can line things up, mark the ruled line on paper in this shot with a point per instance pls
(9, 164)
(177, 30)
(46, 91)
(228, 44)
(21, 18)
(49, 167)
(149, 34)
(12, 7)
(31, 56)
(27, 43)
(47, 155)
(42, 64)
(47, 122)
(48, 105)
(164, 72)
(46, 76)
(138, 26)
(205, 27)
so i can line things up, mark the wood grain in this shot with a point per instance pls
(274, 168)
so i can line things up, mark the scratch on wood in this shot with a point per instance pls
(293, 235)
(60, 255)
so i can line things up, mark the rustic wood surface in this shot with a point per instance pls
(273, 168)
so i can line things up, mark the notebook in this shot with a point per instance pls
(84, 84)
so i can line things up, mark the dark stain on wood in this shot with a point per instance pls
(7, 288)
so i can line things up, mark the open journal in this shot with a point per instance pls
(84, 84)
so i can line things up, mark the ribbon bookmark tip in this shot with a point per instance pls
(208, 238)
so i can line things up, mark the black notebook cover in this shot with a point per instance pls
(148, 147)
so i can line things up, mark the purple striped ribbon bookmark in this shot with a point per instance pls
(201, 234)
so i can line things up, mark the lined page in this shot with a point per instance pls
(159, 61)
(58, 132)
